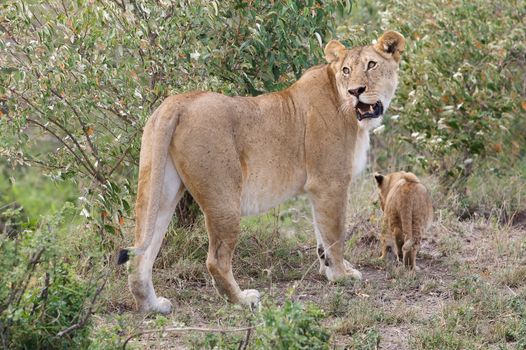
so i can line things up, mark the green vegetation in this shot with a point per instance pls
(78, 81)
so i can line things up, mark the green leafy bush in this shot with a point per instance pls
(40, 293)
(79, 79)
(288, 327)
(292, 326)
(460, 97)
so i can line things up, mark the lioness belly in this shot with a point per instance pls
(259, 194)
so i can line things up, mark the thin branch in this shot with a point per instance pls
(90, 166)
(88, 313)
(15, 298)
(82, 124)
(191, 329)
(121, 158)
(53, 8)
(11, 36)
(244, 344)
(81, 162)
(65, 8)
(120, 4)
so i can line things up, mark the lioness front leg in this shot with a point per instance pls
(223, 231)
(328, 209)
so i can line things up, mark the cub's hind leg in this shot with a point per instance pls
(398, 238)
(384, 238)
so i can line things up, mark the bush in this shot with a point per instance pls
(461, 97)
(41, 294)
(292, 326)
(79, 79)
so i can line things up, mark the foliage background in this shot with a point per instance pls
(79, 79)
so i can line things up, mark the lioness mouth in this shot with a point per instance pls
(364, 110)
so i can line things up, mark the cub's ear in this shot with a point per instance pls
(391, 43)
(334, 50)
(379, 178)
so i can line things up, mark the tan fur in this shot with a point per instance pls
(244, 155)
(408, 213)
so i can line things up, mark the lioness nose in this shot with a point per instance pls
(356, 92)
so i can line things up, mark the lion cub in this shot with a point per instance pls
(408, 212)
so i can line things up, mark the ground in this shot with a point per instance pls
(469, 294)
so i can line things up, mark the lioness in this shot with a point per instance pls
(244, 155)
(408, 212)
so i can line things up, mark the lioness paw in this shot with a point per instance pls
(355, 274)
(249, 297)
(161, 305)
(347, 272)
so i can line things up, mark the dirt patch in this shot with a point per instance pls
(391, 308)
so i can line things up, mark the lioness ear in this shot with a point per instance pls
(391, 43)
(334, 50)
(379, 178)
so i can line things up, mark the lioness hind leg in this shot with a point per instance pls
(140, 268)
(223, 231)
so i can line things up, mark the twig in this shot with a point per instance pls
(81, 162)
(88, 313)
(297, 285)
(511, 291)
(190, 329)
(121, 158)
(87, 163)
(15, 299)
(82, 124)
(243, 345)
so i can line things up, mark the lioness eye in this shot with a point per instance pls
(371, 65)
(346, 70)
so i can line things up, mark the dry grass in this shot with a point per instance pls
(470, 293)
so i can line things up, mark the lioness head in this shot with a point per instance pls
(366, 76)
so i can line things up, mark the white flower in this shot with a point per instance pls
(195, 55)
(415, 134)
(395, 117)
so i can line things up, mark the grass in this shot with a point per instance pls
(469, 294)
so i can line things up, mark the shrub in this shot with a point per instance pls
(292, 326)
(461, 95)
(79, 79)
(40, 293)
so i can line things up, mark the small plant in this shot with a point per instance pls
(288, 327)
(41, 295)
(292, 326)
